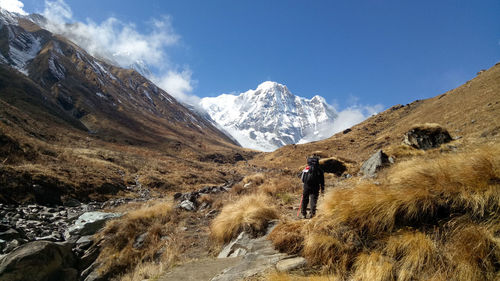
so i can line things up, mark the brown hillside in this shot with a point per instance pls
(470, 112)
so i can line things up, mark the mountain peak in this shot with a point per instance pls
(270, 116)
(268, 85)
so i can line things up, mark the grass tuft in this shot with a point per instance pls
(250, 213)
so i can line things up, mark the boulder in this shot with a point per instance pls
(377, 161)
(290, 264)
(427, 136)
(257, 255)
(89, 223)
(333, 166)
(39, 260)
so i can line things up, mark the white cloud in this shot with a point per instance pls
(122, 43)
(14, 6)
(346, 118)
(178, 84)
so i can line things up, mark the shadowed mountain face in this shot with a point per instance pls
(72, 125)
(114, 103)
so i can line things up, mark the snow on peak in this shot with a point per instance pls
(270, 116)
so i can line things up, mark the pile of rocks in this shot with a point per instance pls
(189, 200)
(20, 224)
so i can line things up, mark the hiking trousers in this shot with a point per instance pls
(307, 194)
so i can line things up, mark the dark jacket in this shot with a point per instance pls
(318, 182)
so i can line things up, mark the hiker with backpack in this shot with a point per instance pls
(314, 180)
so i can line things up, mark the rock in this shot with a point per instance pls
(237, 247)
(377, 161)
(187, 205)
(10, 234)
(84, 242)
(89, 223)
(38, 260)
(139, 241)
(291, 264)
(259, 256)
(177, 196)
(346, 131)
(11, 245)
(88, 259)
(333, 166)
(71, 202)
(427, 136)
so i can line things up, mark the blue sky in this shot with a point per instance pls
(350, 52)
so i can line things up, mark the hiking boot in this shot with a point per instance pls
(303, 216)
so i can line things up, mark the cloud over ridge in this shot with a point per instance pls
(122, 43)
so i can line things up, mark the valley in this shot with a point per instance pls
(105, 176)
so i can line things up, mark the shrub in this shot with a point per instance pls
(287, 237)
(250, 213)
(255, 179)
(118, 253)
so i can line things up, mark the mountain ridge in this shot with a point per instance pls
(270, 116)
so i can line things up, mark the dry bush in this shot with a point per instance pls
(473, 251)
(280, 184)
(415, 254)
(287, 237)
(255, 179)
(334, 247)
(431, 127)
(205, 199)
(403, 151)
(374, 267)
(276, 276)
(118, 253)
(250, 213)
(152, 270)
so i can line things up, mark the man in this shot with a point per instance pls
(314, 181)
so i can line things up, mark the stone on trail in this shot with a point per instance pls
(291, 264)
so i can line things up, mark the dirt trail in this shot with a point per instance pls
(200, 270)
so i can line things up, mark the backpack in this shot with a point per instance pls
(311, 172)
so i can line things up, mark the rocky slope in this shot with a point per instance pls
(271, 116)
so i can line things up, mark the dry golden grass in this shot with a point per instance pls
(249, 213)
(118, 253)
(373, 266)
(280, 184)
(414, 253)
(276, 276)
(435, 218)
(403, 151)
(287, 237)
(255, 179)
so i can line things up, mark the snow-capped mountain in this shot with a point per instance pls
(271, 116)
